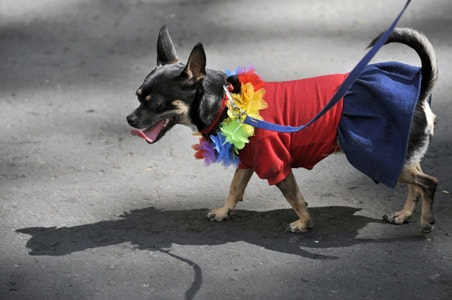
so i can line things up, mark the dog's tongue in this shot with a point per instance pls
(150, 134)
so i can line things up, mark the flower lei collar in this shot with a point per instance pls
(233, 135)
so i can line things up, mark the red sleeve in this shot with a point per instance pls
(269, 157)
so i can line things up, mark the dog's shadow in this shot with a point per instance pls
(153, 229)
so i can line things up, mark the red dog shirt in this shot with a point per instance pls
(272, 154)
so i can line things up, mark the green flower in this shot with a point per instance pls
(235, 133)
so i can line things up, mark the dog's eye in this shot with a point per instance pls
(156, 106)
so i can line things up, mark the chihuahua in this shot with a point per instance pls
(383, 124)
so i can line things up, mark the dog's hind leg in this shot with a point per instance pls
(236, 191)
(291, 192)
(403, 215)
(420, 186)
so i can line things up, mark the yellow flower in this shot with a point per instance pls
(249, 101)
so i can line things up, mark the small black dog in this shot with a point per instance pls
(190, 94)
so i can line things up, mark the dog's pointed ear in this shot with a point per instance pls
(166, 53)
(196, 64)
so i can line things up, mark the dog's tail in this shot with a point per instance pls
(424, 49)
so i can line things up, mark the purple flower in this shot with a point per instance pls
(204, 150)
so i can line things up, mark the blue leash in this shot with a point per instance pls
(346, 85)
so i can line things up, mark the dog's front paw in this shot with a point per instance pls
(219, 214)
(300, 226)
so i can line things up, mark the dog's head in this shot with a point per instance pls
(167, 93)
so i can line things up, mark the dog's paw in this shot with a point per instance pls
(299, 226)
(219, 214)
(427, 224)
(397, 218)
(428, 228)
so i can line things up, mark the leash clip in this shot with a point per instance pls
(236, 111)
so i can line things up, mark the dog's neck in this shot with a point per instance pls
(207, 102)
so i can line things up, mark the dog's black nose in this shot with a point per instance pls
(132, 120)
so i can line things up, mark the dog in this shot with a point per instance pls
(191, 94)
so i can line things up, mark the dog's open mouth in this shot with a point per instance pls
(155, 132)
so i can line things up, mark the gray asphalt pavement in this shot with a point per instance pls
(89, 212)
